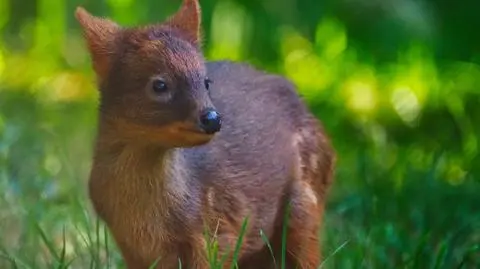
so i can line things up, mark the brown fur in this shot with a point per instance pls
(158, 182)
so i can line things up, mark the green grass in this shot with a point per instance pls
(400, 217)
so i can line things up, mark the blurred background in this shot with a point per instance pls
(395, 82)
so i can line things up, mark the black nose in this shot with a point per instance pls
(210, 121)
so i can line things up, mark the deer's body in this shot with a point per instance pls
(159, 186)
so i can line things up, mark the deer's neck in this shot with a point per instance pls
(136, 179)
(144, 194)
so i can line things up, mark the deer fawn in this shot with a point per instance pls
(184, 146)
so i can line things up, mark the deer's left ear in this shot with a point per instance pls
(188, 21)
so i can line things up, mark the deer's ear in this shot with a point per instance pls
(99, 34)
(188, 20)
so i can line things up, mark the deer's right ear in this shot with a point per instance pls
(188, 20)
(99, 34)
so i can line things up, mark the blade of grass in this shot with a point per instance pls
(64, 251)
(239, 243)
(14, 260)
(224, 257)
(83, 240)
(154, 264)
(284, 235)
(333, 253)
(467, 256)
(45, 240)
(267, 242)
(107, 249)
(97, 242)
(211, 246)
(441, 254)
(62, 263)
(212, 251)
(418, 251)
(9, 259)
(69, 263)
(85, 221)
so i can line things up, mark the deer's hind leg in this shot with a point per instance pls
(304, 222)
(313, 177)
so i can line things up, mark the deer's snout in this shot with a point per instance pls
(210, 121)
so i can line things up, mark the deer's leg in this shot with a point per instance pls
(227, 238)
(303, 246)
(313, 176)
(198, 253)
(131, 260)
(225, 213)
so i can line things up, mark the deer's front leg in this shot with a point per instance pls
(198, 254)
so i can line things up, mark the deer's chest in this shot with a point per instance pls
(146, 220)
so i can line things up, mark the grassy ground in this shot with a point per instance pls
(374, 220)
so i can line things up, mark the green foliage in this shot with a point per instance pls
(396, 85)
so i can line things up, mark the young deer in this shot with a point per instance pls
(176, 154)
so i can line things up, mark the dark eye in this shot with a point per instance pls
(207, 83)
(159, 86)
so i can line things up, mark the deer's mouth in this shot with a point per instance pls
(192, 137)
(195, 131)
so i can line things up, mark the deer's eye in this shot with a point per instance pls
(207, 83)
(159, 86)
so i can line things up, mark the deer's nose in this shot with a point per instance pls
(210, 121)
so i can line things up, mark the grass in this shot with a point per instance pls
(373, 220)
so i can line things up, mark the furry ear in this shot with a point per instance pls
(188, 21)
(99, 34)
